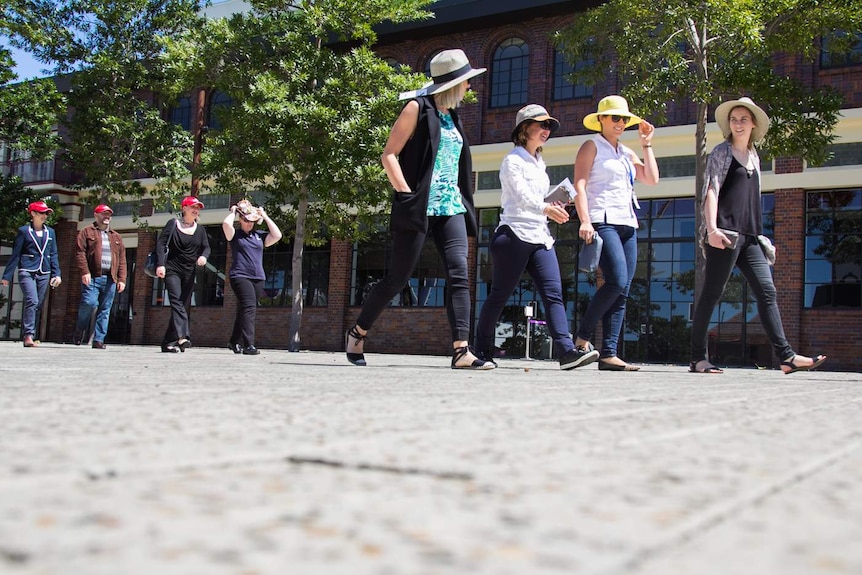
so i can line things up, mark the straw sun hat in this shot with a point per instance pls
(722, 117)
(610, 106)
(448, 68)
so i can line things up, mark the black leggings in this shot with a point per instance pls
(748, 257)
(180, 286)
(247, 292)
(450, 237)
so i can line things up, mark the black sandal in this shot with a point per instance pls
(708, 369)
(354, 358)
(817, 362)
(477, 363)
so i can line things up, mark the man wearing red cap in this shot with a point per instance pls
(34, 255)
(101, 259)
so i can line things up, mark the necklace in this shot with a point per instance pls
(747, 163)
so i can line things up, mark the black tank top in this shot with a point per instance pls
(739, 201)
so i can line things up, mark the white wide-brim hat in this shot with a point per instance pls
(610, 106)
(448, 68)
(722, 117)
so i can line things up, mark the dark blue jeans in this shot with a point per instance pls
(99, 295)
(748, 257)
(450, 237)
(618, 263)
(511, 257)
(34, 287)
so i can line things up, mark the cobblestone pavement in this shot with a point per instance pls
(129, 461)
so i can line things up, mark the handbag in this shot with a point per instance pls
(768, 249)
(152, 260)
(591, 253)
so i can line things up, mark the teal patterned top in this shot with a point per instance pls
(445, 195)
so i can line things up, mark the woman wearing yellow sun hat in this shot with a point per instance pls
(605, 173)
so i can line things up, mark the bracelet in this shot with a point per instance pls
(712, 232)
(647, 146)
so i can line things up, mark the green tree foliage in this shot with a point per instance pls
(311, 109)
(117, 132)
(29, 111)
(707, 51)
(15, 197)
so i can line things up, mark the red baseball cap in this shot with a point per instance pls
(103, 208)
(192, 201)
(40, 207)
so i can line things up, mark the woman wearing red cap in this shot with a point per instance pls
(181, 245)
(34, 255)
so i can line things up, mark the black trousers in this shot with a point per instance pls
(748, 257)
(180, 286)
(247, 292)
(450, 237)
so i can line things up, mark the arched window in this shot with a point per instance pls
(509, 73)
(181, 114)
(218, 102)
(563, 88)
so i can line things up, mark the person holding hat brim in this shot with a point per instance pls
(731, 207)
(246, 271)
(34, 255)
(427, 160)
(523, 242)
(101, 257)
(181, 246)
(605, 173)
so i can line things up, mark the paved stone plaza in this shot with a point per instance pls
(129, 461)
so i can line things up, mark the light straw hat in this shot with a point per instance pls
(611, 106)
(448, 68)
(722, 117)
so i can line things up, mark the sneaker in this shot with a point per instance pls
(578, 357)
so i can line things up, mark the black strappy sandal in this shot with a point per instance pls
(477, 363)
(354, 358)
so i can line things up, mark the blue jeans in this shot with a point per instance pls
(450, 237)
(35, 288)
(748, 257)
(99, 295)
(618, 263)
(511, 257)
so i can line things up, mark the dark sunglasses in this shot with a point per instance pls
(546, 124)
(615, 118)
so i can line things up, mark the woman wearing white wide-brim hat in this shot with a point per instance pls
(605, 173)
(732, 234)
(427, 160)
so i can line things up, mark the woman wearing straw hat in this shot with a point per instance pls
(34, 255)
(605, 173)
(246, 271)
(732, 231)
(427, 160)
(523, 241)
(182, 245)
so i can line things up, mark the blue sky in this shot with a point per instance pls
(26, 67)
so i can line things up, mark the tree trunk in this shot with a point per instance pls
(700, 174)
(296, 270)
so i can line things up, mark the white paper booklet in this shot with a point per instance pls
(563, 192)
